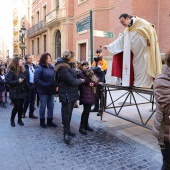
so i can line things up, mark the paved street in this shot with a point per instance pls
(33, 148)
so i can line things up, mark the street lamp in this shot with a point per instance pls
(22, 36)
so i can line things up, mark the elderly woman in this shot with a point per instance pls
(161, 127)
(68, 90)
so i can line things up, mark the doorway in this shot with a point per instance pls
(83, 52)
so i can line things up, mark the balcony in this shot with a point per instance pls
(37, 29)
(52, 16)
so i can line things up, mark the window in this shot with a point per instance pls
(57, 3)
(32, 20)
(44, 12)
(38, 47)
(32, 47)
(38, 16)
(58, 44)
(44, 43)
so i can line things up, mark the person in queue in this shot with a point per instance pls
(18, 88)
(87, 95)
(99, 67)
(30, 99)
(67, 90)
(44, 80)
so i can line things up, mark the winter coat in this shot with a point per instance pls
(87, 92)
(3, 84)
(67, 82)
(17, 90)
(162, 97)
(44, 79)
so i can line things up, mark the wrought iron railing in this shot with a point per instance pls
(39, 26)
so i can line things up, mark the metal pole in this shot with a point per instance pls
(91, 35)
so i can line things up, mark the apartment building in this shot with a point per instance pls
(16, 49)
(52, 27)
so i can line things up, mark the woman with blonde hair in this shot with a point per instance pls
(18, 88)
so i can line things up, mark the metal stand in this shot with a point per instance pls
(129, 94)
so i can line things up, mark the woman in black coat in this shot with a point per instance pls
(18, 88)
(87, 95)
(67, 90)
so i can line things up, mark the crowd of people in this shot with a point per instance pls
(73, 81)
(136, 48)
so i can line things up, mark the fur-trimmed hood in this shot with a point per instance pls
(60, 65)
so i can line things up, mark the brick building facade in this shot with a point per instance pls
(51, 24)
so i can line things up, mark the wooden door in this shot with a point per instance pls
(83, 52)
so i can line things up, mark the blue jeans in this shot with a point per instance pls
(46, 100)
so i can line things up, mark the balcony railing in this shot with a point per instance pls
(39, 26)
(51, 16)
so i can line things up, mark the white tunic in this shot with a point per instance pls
(138, 46)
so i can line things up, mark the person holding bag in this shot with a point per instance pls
(18, 88)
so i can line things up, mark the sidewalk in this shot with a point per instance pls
(114, 144)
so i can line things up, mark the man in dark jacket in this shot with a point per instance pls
(30, 100)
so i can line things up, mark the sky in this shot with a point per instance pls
(6, 18)
(6, 22)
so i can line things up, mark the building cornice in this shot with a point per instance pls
(94, 9)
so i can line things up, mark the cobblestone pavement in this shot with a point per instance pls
(33, 148)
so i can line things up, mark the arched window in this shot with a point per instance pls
(58, 44)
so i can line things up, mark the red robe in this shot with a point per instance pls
(117, 65)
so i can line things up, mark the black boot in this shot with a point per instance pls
(50, 123)
(71, 133)
(42, 123)
(82, 130)
(20, 122)
(67, 138)
(89, 128)
(12, 123)
(32, 116)
(4, 105)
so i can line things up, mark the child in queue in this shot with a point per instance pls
(87, 95)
